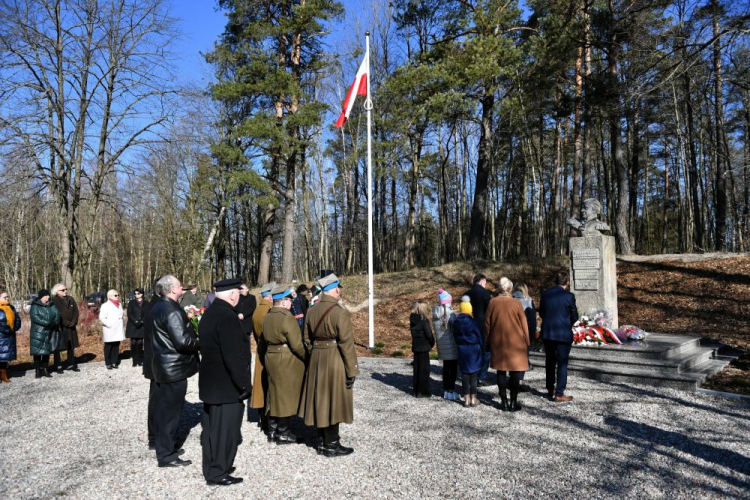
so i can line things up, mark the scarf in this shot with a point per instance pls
(115, 302)
(10, 315)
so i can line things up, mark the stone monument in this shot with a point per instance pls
(593, 271)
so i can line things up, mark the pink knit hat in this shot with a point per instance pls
(445, 297)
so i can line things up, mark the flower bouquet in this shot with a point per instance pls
(630, 332)
(197, 313)
(594, 332)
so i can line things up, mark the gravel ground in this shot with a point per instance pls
(83, 436)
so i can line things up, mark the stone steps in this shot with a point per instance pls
(677, 361)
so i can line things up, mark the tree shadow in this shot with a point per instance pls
(646, 435)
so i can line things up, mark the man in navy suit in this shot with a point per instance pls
(558, 311)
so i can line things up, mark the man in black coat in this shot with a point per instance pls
(223, 383)
(135, 329)
(175, 358)
(148, 357)
(559, 312)
(480, 300)
(245, 309)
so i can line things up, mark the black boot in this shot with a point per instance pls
(321, 441)
(45, 372)
(284, 432)
(38, 372)
(272, 429)
(514, 404)
(332, 446)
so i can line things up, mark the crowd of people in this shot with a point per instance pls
(494, 332)
(306, 362)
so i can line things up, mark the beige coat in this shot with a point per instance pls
(508, 335)
(260, 379)
(325, 399)
(284, 362)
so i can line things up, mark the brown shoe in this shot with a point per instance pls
(4, 375)
(562, 399)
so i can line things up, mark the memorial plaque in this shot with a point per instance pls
(587, 258)
(586, 279)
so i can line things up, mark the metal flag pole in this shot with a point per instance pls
(370, 281)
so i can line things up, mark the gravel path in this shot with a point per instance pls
(83, 436)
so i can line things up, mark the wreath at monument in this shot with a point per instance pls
(596, 331)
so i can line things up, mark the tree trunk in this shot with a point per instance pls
(721, 161)
(477, 245)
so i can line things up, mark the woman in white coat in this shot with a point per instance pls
(113, 328)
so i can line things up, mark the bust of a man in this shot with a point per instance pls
(590, 225)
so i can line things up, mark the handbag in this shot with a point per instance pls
(57, 340)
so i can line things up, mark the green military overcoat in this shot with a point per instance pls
(260, 383)
(325, 399)
(285, 362)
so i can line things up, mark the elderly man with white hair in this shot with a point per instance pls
(175, 359)
(223, 382)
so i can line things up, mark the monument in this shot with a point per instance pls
(593, 272)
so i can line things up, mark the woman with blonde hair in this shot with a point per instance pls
(422, 341)
(508, 340)
(442, 319)
(113, 331)
(521, 293)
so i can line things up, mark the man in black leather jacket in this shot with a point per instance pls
(175, 349)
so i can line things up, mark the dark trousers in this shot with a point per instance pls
(556, 360)
(330, 434)
(469, 382)
(136, 351)
(111, 353)
(170, 398)
(220, 438)
(152, 398)
(502, 384)
(41, 361)
(421, 373)
(485, 365)
(450, 372)
(57, 361)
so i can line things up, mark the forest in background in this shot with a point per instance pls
(492, 121)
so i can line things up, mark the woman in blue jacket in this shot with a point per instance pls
(470, 346)
(10, 323)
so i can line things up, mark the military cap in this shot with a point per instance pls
(228, 284)
(281, 291)
(266, 290)
(329, 282)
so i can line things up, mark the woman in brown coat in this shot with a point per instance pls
(508, 339)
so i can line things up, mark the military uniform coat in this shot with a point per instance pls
(68, 310)
(284, 361)
(224, 371)
(325, 399)
(507, 335)
(191, 299)
(258, 399)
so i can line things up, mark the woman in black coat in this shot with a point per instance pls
(422, 341)
(137, 311)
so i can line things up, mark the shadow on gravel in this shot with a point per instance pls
(647, 435)
(191, 416)
(650, 440)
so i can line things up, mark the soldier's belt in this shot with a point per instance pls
(324, 343)
(277, 348)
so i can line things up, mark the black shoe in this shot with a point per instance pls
(336, 450)
(286, 438)
(109, 367)
(116, 366)
(58, 371)
(227, 481)
(271, 436)
(177, 462)
(503, 404)
(45, 373)
(38, 373)
(180, 452)
(74, 369)
(424, 395)
(514, 405)
(151, 447)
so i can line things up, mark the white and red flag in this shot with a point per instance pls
(359, 87)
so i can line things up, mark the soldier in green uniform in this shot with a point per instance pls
(260, 377)
(327, 396)
(284, 362)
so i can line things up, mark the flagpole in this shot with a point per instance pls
(370, 284)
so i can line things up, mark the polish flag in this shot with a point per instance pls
(359, 87)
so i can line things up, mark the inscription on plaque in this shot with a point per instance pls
(586, 258)
(586, 279)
